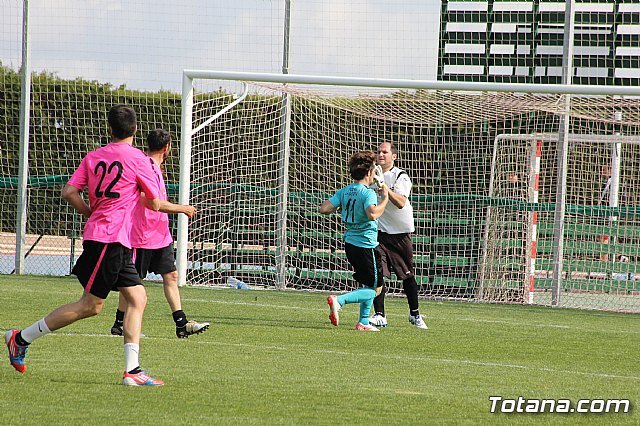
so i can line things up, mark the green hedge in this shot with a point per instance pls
(68, 119)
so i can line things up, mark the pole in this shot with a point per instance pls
(283, 179)
(185, 177)
(23, 167)
(563, 151)
(532, 226)
(614, 183)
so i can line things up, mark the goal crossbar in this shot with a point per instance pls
(467, 86)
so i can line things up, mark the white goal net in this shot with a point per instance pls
(600, 238)
(259, 158)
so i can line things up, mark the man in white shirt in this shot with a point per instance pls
(395, 227)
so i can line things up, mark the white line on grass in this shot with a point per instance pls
(262, 305)
(452, 318)
(362, 355)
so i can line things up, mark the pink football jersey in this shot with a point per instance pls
(150, 229)
(114, 175)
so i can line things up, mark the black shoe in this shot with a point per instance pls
(116, 330)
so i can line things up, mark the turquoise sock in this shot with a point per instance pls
(364, 296)
(365, 309)
(357, 296)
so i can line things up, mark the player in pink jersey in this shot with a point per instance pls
(153, 243)
(113, 177)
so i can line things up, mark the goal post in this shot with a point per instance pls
(186, 135)
(184, 190)
(516, 179)
(269, 148)
(593, 251)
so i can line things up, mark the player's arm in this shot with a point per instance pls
(73, 197)
(147, 184)
(374, 211)
(398, 200)
(401, 189)
(169, 207)
(153, 204)
(327, 207)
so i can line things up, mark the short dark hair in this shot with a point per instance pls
(360, 164)
(122, 120)
(158, 139)
(392, 147)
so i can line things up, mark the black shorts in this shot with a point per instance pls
(103, 267)
(397, 254)
(159, 261)
(367, 264)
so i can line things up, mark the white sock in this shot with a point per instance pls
(37, 329)
(131, 356)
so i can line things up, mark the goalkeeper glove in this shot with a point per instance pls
(378, 176)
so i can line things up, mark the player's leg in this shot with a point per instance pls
(184, 326)
(379, 317)
(89, 305)
(363, 296)
(136, 297)
(171, 290)
(365, 305)
(141, 264)
(378, 302)
(335, 302)
(359, 295)
(162, 261)
(403, 265)
(94, 277)
(377, 288)
(18, 341)
(116, 328)
(410, 287)
(172, 294)
(140, 259)
(368, 272)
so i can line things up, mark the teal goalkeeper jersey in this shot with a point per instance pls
(354, 200)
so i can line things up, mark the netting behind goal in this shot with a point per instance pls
(600, 239)
(484, 174)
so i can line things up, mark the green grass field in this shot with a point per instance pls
(273, 358)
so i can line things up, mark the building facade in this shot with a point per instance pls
(522, 41)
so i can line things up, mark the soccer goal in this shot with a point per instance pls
(260, 152)
(599, 252)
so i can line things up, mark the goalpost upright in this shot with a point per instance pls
(185, 176)
(186, 133)
(531, 197)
